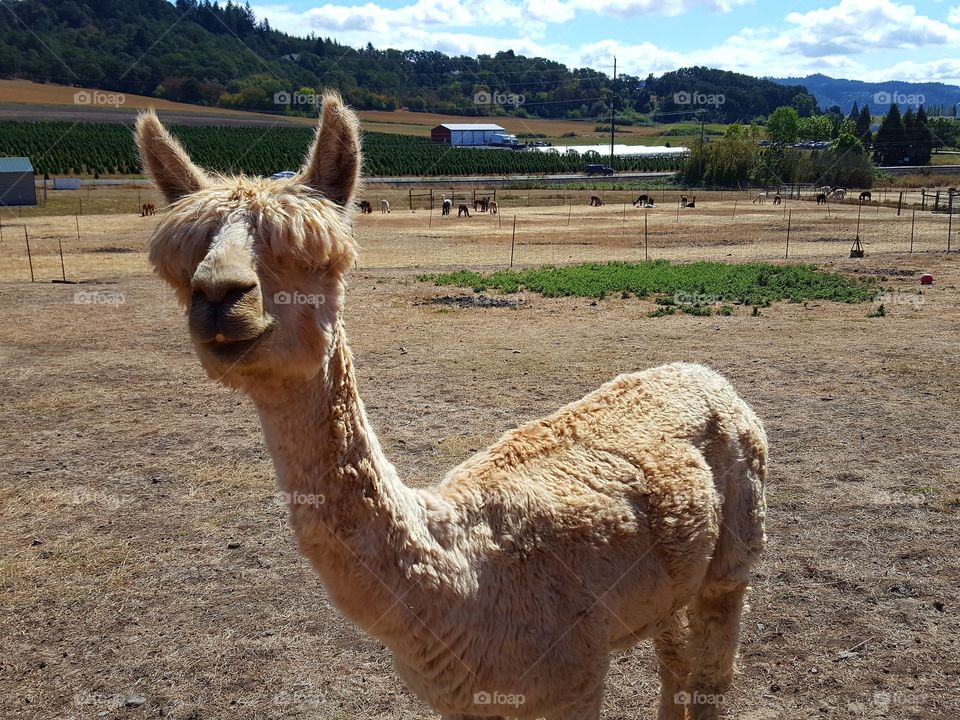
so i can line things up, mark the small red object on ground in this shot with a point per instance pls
(926, 279)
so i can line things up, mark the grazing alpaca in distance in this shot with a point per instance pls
(642, 200)
(384, 207)
(838, 193)
(777, 199)
(481, 205)
(447, 206)
(494, 208)
(822, 199)
(463, 210)
(365, 207)
(148, 209)
(595, 201)
(636, 512)
(865, 196)
(684, 203)
(760, 198)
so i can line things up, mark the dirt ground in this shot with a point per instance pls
(148, 569)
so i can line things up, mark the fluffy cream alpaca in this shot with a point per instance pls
(635, 512)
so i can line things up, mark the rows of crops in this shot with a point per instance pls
(63, 148)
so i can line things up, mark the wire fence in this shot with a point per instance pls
(545, 227)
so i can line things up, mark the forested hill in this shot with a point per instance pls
(212, 54)
(938, 98)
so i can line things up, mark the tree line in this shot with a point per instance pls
(842, 150)
(222, 55)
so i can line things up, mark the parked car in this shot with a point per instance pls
(283, 175)
(598, 170)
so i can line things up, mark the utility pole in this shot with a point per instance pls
(700, 176)
(613, 101)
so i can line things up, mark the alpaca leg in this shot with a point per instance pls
(671, 647)
(714, 632)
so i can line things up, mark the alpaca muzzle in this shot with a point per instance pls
(231, 315)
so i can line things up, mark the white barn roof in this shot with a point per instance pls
(470, 126)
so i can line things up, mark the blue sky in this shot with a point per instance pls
(858, 39)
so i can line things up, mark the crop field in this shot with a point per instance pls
(108, 149)
(149, 570)
(21, 100)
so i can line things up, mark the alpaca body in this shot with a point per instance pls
(571, 536)
(635, 512)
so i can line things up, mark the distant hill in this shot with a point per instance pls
(879, 95)
(222, 55)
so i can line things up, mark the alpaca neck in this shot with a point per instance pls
(352, 516)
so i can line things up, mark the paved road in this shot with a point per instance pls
(922, 169)
(475, 180)
(487, 180)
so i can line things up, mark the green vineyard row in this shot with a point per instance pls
(64, 148)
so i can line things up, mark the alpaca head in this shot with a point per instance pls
(258, 263)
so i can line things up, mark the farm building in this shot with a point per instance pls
(16, 182)
(466, 134)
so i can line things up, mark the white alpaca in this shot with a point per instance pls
(384, 206)
(636, 512)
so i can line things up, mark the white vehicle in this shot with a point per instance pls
(503, 140)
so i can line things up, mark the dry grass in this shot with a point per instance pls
(146, 557)
(553, 227)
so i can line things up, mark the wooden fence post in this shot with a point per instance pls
(913, 222)
(646, 239)
(63, 270)
(789, 218)
(513, 240)
(26, 237)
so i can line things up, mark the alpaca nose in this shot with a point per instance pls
(223, 289)
(226, 308)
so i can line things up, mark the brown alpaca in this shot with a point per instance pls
(463, 210)
(777, 199)
(494, 208)
(595, 201)
(148, 209)
(865, 196)
(481, 205)
(365, 207)
(636, 512)
(822, 199)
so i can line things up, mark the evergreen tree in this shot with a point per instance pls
(891, 146)
(863, 126)
(922, 139)
(854, 112)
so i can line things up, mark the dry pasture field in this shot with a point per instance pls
(102, 234)
(148, 570)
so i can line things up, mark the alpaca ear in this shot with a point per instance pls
(332, 166)
(165, 160)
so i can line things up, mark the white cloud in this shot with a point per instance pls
(853, 26)
(850, 38)
(635, 8)
(946, 71)
(953, 15)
